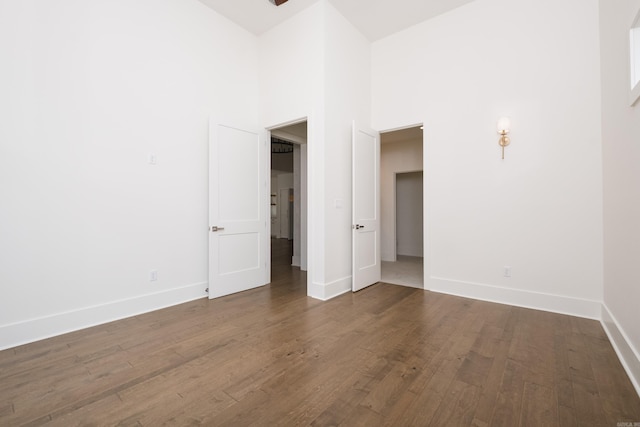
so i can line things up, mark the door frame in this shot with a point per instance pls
(311, 261)
(426, 213)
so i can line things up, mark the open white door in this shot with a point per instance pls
(237, 209)
(366, 207)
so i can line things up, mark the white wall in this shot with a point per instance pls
(291, 73)
(89, 90)
(409, 218)
(621, 157)
(348, 98)
(292, 68)
(299, 257)
(538, 211)
(395, 157)
(322, 73)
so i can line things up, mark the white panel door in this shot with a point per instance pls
(237, 209)
(366, 207)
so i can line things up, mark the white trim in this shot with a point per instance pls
(634, 95)
(589, 309)
(315, 290)
(327, 291)
(634, 53)
(314, 225)
(393, 257)
(628, 355)
(426, 209)
(28, 331)
(267, 205)
(406, 285)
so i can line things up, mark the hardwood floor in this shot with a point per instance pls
(387, 356)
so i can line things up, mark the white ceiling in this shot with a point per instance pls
(374, 18)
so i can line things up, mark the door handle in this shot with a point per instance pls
(216, 228)
(358, 226)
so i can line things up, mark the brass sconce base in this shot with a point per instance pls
(504, 141)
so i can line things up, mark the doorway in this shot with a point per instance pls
(289, 190)
(402, 207)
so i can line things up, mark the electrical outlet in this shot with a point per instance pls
(507, 271)
(153, 275)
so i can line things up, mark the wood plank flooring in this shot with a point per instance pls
(385, 356)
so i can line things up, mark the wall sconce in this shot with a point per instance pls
(503, 129)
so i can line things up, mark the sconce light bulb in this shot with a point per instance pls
(504, 124)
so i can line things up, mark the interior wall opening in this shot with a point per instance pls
(288, 190)
(402, 207)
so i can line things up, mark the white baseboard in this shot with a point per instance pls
(295, 261)
(406, 285)
(28, 331)
(628, 355)
(589, 309)
(329, 290)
